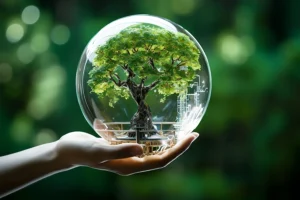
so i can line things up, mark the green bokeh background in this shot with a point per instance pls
(249, 137)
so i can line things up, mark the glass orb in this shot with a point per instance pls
(143, 79)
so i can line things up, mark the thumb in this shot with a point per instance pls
(122, 151)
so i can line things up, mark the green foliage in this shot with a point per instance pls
(249, 145)
(151, 53)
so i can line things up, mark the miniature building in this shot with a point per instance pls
(190, 98)
(150, 145)
(188, 103)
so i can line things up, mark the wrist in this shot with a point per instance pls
(64, 155)
(58, 161)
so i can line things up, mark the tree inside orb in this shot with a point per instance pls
(138, 59)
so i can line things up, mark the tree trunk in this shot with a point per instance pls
(142, 119)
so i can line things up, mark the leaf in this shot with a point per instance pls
(134, 47)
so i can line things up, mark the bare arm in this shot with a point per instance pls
(79, 149)
(74, 149)
(23, 168)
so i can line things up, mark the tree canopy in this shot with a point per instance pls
(147, 55)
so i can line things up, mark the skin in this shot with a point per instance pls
(80, 149)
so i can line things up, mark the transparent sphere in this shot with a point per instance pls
(143, 79)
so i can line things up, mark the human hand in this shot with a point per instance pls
(78, 148)
(82, 149)
(133, 165)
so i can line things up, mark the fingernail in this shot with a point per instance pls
(196, 135)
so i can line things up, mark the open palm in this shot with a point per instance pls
(78, 148)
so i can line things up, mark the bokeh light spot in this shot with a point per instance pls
(235, 50)
(48, 87)
(30, 14)
(22, 129)
(14, 33)
(45, 136)
(39, 43)
(25, 54)
(60, 34)
(6, 72)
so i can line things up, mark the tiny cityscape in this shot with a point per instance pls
(189, 110)
(189, 101)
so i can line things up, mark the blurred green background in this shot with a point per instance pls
(249, 137)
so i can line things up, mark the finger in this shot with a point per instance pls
(172, 153)
(175, 148)
(134, 165)
(159, 161)
(111, 152)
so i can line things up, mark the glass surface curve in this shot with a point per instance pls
(169, 117)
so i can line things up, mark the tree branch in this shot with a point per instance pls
(124, 66)
(118, 77)
(150, 46)
(116, 83)
(154, 84)
(131, 74)
(142, 82)
(151, 62)
(135, 50)
(180, 64)
(119, 83)
(177, 58)
(151, 86)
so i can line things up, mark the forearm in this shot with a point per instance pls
(23, 168)
(80, 149)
